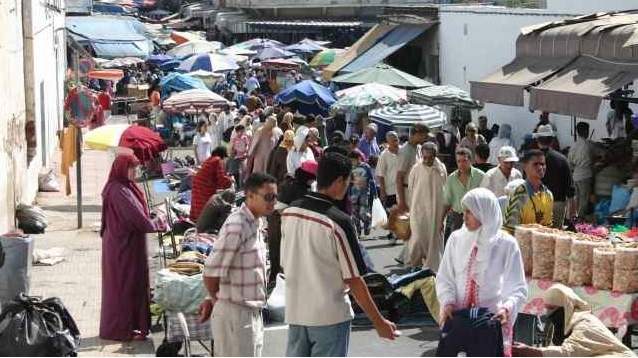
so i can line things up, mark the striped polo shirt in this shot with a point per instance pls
(319, 249)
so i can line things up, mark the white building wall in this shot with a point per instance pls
(44, 61)
(476, 41)
(12, 112)
(587, 6)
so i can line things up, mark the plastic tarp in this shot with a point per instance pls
(111, 36)
(310, 94)
(388, 45)
(177, 82)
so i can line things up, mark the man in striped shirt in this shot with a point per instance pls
(235, 273)
(321, 258)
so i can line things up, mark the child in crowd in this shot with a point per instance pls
(362, 189)
(239, 146)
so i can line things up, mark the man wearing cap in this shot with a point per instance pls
(368, 144)
(496, 179)
(559, 176)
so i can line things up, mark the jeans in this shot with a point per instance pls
(318, 341)
(583, 191)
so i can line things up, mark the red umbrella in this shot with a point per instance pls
(145, 143)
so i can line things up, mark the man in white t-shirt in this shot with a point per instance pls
(386, 172)
(322, 259)
(496, 179)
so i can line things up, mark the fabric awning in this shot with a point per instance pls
(386, 46)
(119, 49)
(579, 89)
(363, 44)
(506, 86)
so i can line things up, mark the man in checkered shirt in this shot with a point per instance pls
(235, 273)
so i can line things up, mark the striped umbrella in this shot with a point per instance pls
(444, 95)
(197, 99)
(363, 98)
(406, 115)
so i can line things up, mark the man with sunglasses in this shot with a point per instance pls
(235, 273)
(321, 257)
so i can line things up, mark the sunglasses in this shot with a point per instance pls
(269, 198)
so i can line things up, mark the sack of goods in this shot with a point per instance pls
(30, 326)
(399, 224)
(179, 293)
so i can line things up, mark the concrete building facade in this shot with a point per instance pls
(32, 59)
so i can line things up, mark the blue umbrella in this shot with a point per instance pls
(274, 52)
(208, 62)
(177, 82)
(309, 96)
(159, 59)
(304, 47)
(170, 65)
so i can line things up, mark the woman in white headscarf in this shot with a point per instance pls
(577, 332)
(482, 265)
(300, 152)
(504, 139)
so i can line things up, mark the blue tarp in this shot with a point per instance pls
(170, 65)
(111, 36)
(385, 47)
(309, 96)
(159, 59)
(177, 82)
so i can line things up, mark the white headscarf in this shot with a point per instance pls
(300, 136)
(484, 206)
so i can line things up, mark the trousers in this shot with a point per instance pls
(319, 341)
(238, 331)
(473, 332)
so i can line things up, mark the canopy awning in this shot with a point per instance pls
(579, 89)
(362, 45)
(507, 85)
(386, 46)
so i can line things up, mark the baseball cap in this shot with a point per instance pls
(508, 154)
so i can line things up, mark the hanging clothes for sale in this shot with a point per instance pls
(69, 153)
(472, 332)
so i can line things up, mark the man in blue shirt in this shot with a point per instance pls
(368, 144)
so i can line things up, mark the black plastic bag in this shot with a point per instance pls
(32, 327)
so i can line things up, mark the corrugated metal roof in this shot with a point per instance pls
(306, 23)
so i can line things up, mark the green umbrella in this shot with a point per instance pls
(363, 98)
(325, 57)
(444, 95)
(383, 74)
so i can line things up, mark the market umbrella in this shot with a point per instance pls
(308, 96)
(274, 52)
(406, 115)
(159, 59)
(197, 99)
(304, 47)
(170, 65)
(194, 47)
(444, 95)
(237, 51)
(325, 57)
(315, 42)
(177, 82)
(145, 143)
(367, 97)
(280, 64)
(121, 62)
(109, 75)
(299, 61)
(258, 44)
(208, 62)
(383, 74)
(209, 78)
(181, 37)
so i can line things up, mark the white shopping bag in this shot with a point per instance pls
(379, 216)
(277, 300)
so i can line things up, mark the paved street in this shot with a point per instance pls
(77, 280)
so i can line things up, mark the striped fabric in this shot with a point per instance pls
(407, 115)
(194, 98)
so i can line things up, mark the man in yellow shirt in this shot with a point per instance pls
(531, 202)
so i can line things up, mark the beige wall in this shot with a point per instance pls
(12, 111)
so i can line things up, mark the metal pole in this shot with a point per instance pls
(78, 150)
(78, 173)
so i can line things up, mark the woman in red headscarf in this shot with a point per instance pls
(125, 311)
